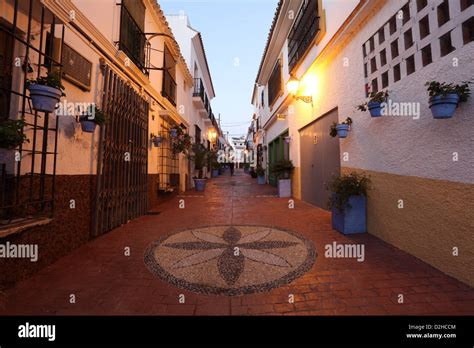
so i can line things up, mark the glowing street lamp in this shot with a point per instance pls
(212, 135)
(293, 86)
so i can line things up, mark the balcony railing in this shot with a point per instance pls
(198, 89)
(132, 39)
(169, 87)
(303, 32)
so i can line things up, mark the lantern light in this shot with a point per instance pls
(293, 86)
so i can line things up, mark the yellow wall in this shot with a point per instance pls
(437, 216)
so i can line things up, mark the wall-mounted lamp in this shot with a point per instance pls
(293, 86)
(212, 135)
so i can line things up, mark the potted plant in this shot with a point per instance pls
(247, 168)
(11, 134)
(260, 175)
(200, 157)
(45, 92)
(253, 173)
(374, 105)
(282, 169)
(215, 165)
(93, 117)
(445, 98)
(174, 132)
(341, 129)
(156, 140)
(348, 203)
(181, 141)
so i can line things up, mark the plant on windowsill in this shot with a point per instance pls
(374, 104)
(181, 143)
(445, 97)
(348, 202)
(199, 156)
(11, 134)
(91, 118)
(260, 175)
(341, 129)
(45, 92)
(282, 169)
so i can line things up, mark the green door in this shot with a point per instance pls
(278, 149)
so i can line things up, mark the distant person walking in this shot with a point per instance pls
(231, 165)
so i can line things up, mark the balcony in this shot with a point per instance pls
(199, 94)
(169, 87)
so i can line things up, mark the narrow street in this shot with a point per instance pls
(101, 278)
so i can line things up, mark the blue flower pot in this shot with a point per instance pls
(200, 184)
(261, 180)
(342, 130)
(375, 108)
(444, 106)
(215, 173)
(352, 220)
(157, 141)
(44, 98)
(87, 125)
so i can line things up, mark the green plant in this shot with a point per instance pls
(260, 171)
(200, 157)
(182, 142)
(99, 116)
(11, 134)
(333, 130)
(344, 186)
(282, 169)
(442, 89)
(53, 79)
(379, 97)
(214, 160)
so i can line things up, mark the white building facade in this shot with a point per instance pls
(421, 167)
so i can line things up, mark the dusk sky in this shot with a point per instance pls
(234, 34)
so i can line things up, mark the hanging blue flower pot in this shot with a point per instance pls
(173, 132)
(353, 219)
(157, 141)
(44, 98)
(342, 130)
(87, 125)
(444, 106)
(375, 108)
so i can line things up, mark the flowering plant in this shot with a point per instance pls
(181, 143)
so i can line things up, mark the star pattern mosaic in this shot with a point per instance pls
(230, 260)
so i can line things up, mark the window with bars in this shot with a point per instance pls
(27, 187)
(304, 32)
(132, 38)
(169, 83)
(275, 83)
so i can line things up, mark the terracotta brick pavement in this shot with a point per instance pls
(105, 281)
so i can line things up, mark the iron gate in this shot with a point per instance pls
(123, 156)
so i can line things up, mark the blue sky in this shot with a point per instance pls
(234, 31)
